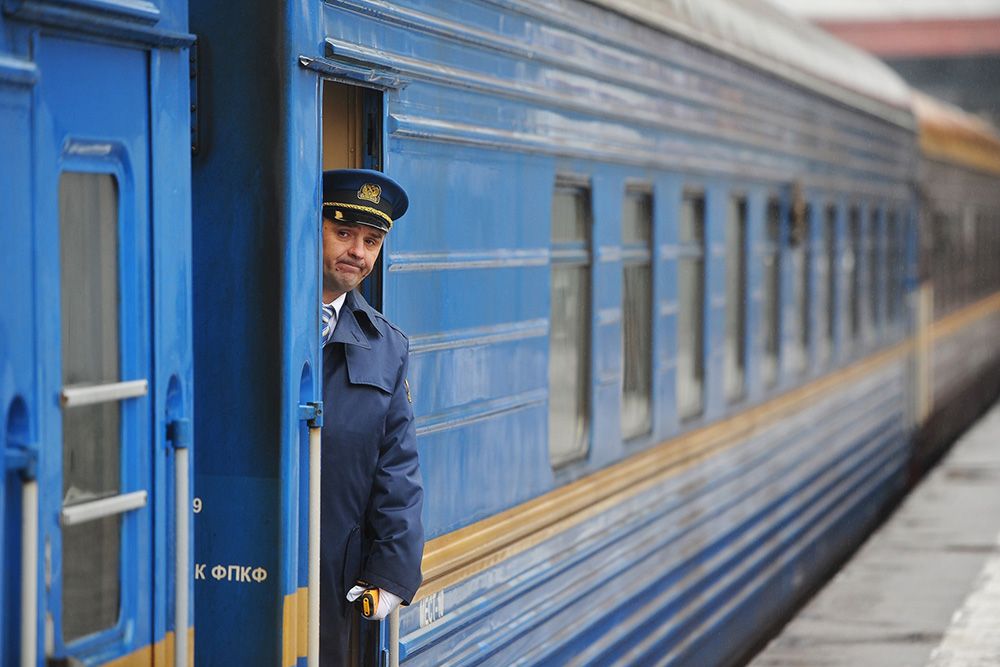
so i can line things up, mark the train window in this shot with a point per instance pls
(637, 314)
(89, 282)
(829, 287)
(954, 261)
(734, 358)
(798, 239)
(994, 252)
(984, 246)
(852, 255)
(569, 325)
(941, 272)
(989, 248)
(893, 268)
(872, 269)
(949, 267)
(691, 311)
(981, 258)
(966, 252)
(772, 292)
(959, 260)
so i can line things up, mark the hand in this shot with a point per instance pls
(387, 602)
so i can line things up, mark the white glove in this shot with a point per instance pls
(387, 602)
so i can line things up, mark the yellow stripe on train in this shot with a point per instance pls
(463, 553)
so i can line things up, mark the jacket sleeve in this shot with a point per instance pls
(394, 523)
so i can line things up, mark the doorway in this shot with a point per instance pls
(352, 139)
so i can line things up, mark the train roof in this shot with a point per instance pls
(949, 133)
(765, 37)
(866, 10)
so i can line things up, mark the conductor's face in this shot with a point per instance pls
(349, 253)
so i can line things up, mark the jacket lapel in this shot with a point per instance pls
(349, 330)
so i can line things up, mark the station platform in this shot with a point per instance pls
(925, 588)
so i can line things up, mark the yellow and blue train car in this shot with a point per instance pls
(655, 277)
(960, 230)
(693, 292)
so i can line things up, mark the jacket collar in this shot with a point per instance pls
(357, 323)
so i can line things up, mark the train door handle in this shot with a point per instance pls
(179, 436)
(312, 414)
(24, 460)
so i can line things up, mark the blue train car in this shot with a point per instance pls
(96, 359)
(655, 276)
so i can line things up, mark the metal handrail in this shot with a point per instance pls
(182, 508)
(72, 397)
(314, 527)
(29, 573)
(104, 507)
(394, 638)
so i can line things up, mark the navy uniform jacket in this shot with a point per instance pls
(371, 490)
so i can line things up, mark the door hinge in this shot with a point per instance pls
(193, 73)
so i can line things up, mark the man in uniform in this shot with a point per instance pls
(371, 534)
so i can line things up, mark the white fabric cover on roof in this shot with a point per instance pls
(881, 10)
(765, 36)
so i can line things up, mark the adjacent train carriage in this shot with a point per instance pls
(655, 276)
(96, 361)
(958, 350)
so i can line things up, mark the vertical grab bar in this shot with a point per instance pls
(179, 435)
(312, 414)
(29, 573)
(181, 564)
(315, 441)
(394, 638)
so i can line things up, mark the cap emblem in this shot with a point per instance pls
(370, 192)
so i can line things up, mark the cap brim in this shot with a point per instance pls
(355, 218)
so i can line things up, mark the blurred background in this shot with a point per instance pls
(948, 48)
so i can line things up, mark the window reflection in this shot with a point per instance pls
(569, 326)
(772, 293)
(637, 314)
(851, 258)
(89, 288)
(800, 258)
(829, 282)
(691, 311)
(734, 359)
(874, 277)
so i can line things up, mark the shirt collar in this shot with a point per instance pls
(360, 320)
(337, 304)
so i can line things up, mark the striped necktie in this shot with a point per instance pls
(329, 322)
